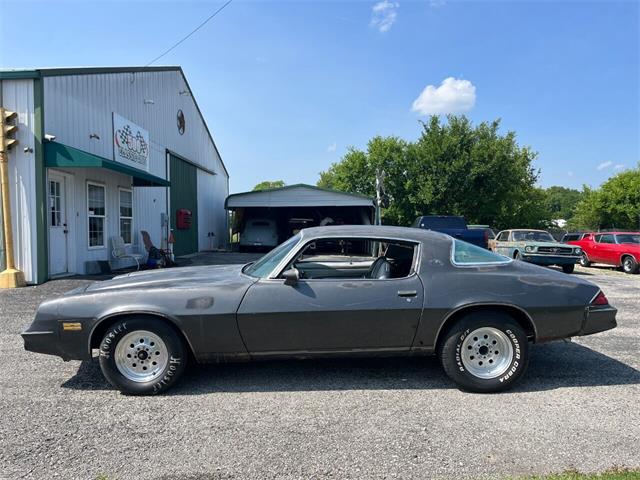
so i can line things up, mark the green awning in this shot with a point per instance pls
(63, 156)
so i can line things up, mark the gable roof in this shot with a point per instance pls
(298, 195)
(17, 74)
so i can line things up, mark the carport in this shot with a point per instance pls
(298, 206)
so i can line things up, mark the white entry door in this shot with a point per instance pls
(58, 224)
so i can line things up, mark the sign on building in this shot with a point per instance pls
(130, 143)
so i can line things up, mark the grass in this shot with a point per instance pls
(613, 474)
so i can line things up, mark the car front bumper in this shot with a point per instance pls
(542, 259)
(50, 338)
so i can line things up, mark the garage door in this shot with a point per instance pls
(184, 196)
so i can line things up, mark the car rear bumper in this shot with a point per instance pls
(598, 319)
(541, 259)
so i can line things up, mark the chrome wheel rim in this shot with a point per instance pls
(584, 260)
(487, 352)
(627, 265)
(141, 356)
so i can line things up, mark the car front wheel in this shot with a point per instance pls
(629, 265)
(142, 356)
(584, 260)
(485, 352)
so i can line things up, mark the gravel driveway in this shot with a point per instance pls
(386, 418)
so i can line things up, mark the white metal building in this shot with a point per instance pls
(107, 152)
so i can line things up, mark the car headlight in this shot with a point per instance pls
(578, 251)
(529, 248)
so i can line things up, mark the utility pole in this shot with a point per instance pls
(379, 193)
(10, 277)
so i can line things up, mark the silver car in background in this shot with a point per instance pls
(259, 233)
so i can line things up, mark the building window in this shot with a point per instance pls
(96, 212)
(54, 203)
(126, 215)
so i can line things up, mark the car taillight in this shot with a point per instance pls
(601, 299)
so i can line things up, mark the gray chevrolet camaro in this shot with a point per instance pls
(327, 291)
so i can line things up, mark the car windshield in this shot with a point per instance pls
(629, 238)
(532, 236)
(263, 267)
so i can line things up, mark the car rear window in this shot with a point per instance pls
(467, 254)
(435, 223)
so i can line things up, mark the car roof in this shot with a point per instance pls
(526, 230)
(407, 233)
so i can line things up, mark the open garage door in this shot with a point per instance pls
(281, 212)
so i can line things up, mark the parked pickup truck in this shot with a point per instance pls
(454, 226)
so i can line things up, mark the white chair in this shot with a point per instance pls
(119, 251)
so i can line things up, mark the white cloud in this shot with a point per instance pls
(332, 147)
(384, 14)
(619, 166)
(604, 165)
(452, 96)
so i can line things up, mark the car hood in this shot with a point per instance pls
(546, 244)
(185, 277)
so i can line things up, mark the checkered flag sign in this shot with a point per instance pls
(131, 142)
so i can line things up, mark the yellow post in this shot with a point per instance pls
(11, 277)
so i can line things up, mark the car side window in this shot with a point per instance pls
(466, 253)
(344, 258)
(503, 236)
(607, 239)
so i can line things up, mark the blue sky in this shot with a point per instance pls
(286, 87)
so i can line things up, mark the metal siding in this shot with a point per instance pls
(297, 196)
(78, 216)
(212, 217)
(184, 194)
(79, 105)
(17, 96)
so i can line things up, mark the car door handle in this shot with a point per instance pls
(407, 293)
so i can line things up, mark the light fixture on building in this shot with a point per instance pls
(148, 102)
(94, 135)
(27, 150)
(184, 92)
(49, 138)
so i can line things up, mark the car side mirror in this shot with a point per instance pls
(291, 277)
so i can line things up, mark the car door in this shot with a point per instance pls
(501, 246)
(331, 315)
(608, 249)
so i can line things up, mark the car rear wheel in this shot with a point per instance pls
(584, 260)
(142, 356)
(629, 265)
(485, 352)
(568, 268)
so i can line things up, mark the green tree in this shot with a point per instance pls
(561, 201)
(454, 168)
(616, 204)
(269, 184)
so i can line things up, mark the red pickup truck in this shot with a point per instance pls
(620, 249)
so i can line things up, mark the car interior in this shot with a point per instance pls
(355, 258)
